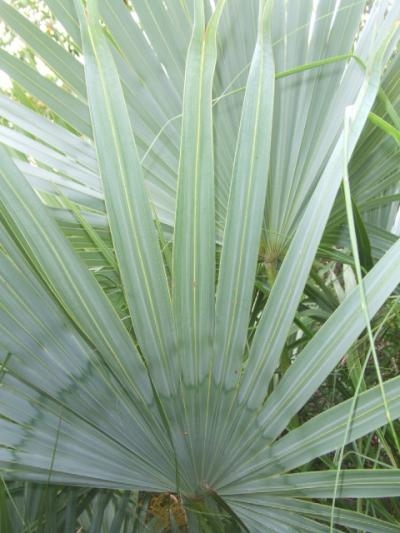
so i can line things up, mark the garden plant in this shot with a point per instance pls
(198, 267)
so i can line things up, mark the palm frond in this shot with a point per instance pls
(158, 327)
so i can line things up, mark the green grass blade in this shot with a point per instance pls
(385, 126)
(363, 243)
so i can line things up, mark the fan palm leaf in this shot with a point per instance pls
(191, 143)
